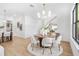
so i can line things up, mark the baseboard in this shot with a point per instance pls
(65, 40)
(22, 37)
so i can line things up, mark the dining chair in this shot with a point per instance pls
(7, 35)
(34, 42)
(47, 43)
(58, 42)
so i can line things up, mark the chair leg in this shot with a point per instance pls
(7, 38)
(32, 45)
(59, 47)
(51, 50)
(2, 37)
(43, 50)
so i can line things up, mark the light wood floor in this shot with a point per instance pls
(18, 47)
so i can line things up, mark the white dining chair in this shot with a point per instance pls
(58, 42)
(34, 42)
(47, 43)
(7, 35)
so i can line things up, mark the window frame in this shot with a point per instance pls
(74, 35)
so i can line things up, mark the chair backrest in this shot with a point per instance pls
(47, 40)
(6, 33)
(59, 39)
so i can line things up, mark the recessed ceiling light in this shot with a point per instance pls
(31, 5)
(44, 4)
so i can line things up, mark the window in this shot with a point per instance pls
(75, 23)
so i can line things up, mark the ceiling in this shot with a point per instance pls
(33, 8)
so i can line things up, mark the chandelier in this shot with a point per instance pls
(44, 14)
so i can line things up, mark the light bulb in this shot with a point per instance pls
(49, 13)
(43, 12)
(38, 14)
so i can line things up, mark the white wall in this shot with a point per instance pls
(31, 26)
(16, 30)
